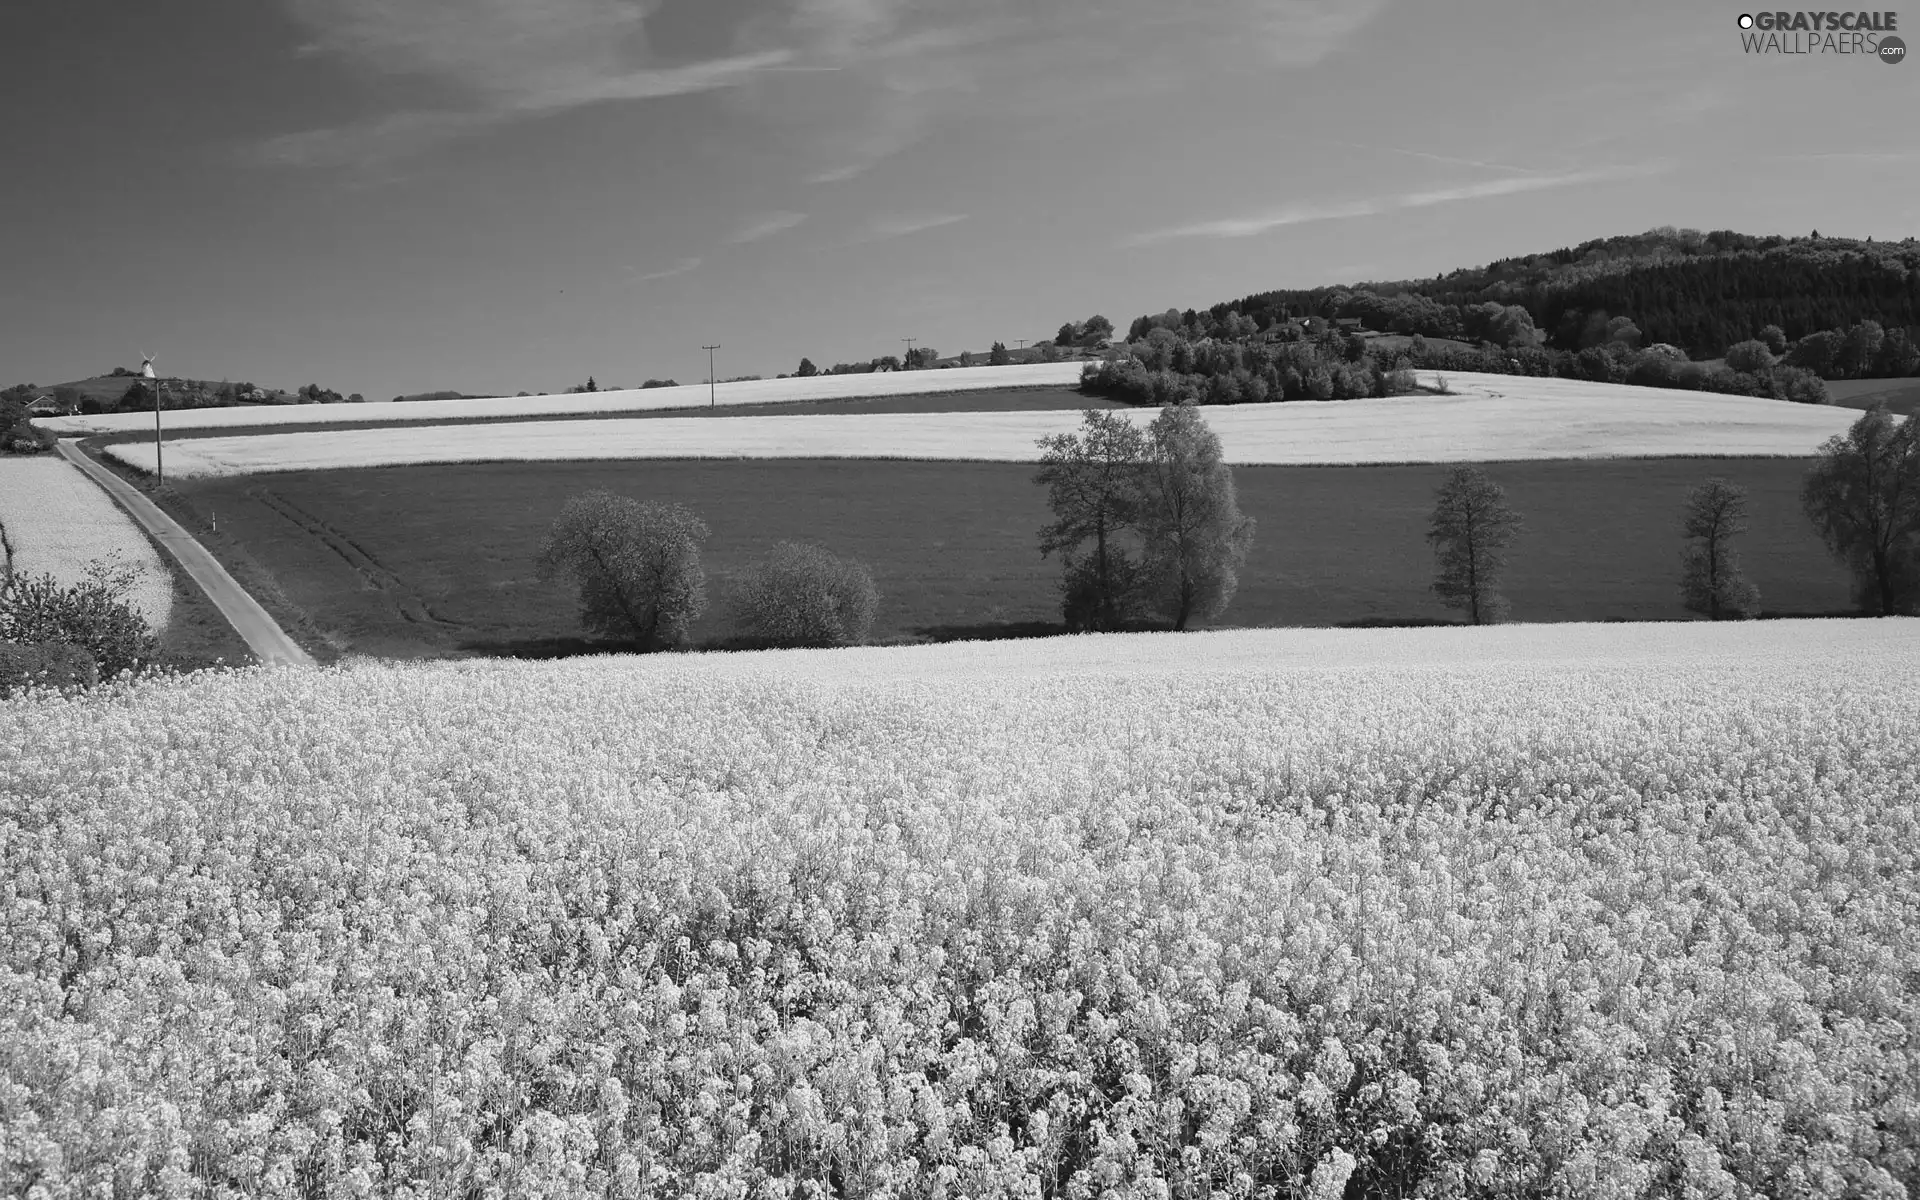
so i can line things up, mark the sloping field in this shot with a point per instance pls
(1537, 419)
(758, 391)
(58, 522)
(1595, 911)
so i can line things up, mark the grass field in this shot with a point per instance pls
(1899, 395)
(438, 560)
(985, 400)
(1583, 911)
(1491, 419)
(761, 391)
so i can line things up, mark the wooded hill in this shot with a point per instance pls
(1702, 292)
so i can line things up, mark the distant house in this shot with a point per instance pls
(49, 405)
(1349, 325)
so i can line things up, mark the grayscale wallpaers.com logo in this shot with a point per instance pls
(1867, 34)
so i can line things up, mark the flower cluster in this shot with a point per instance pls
(58, 522)
(992, 921)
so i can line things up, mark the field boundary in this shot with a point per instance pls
(261, 632)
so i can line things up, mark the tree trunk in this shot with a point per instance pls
(1105, 607)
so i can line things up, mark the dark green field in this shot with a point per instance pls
(437, 560)
(422, 412)
(1899, 395)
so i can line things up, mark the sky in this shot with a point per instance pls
(491, 196)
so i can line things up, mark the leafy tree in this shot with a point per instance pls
(637, 564)
(966, 358)
(1067, 335)
(1049, 352)
(922, 358)
(1899, 356)
(1195, 538)
(356, 398)
(801, 595)
(1711, 581)
(807, 369)
(1472, 527)
(1863, 495)
(1096, 330)
(1624, 331)
(1774, 339)
(998, 356)
(1093, 481)
(1750, 355)
(1817, 352)
(1860, 350)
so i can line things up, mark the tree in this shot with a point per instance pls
(1472, 528)
(801, 595)
(1710, 580)
(1751, 355)
(637, 564)
(998, 356)
(1860, 349)
(1863, 495)
(1097, 329)
(1774, 339)
(1067, 335)
(356, 398)
(1624, 331)
(807, 369)
(1195, 538)
(966, 358)
(1049, 352)
(1899, 356)
(1817, 352)
(1093, 486)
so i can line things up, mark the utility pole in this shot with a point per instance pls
(146, 372)
(1023, 343)
(909, 342)
(713, 395)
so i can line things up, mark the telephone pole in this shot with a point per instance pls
(713, 395)
(909, 342)
(159, 467)
(1023, 342)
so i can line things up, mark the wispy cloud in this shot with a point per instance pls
(766, 227)
(888, 228)
(1300, 214)
(498, 61)
(682, 267)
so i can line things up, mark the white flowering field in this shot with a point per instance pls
(752, 391)
(1566, 422)
(59, 521)
(1570, 911)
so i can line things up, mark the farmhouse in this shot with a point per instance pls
(49, 405)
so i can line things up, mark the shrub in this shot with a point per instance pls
(36, 609)
(802, 595)
(45, 664)
(1751, 356)
(1798, 385)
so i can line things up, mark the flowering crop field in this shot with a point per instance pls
(753, 391)
(59, 521)
(1563, 419)
(1574, 911)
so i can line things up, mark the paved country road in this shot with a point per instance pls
(263, 635)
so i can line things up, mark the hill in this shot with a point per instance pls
(1699, 291)
(110, 393)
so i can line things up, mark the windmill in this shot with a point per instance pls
(146, 366)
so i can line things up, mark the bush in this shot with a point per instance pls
(36, 609)
(1798, 385)
(45, 664)
(1749, 356)
(801, 595)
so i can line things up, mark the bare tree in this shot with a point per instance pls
(1472, 528)
(637, 564)
(1195, 536)
(1863, 494)
(1711, 581)
(1093, 486)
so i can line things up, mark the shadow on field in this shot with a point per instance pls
(540, 648)
(1394, 623)
(992, 631)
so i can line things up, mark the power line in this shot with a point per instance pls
(713, 395)
(909, 342)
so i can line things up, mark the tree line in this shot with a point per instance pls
(1702, 292)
